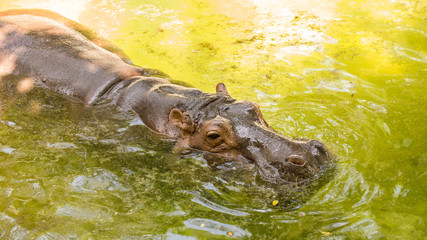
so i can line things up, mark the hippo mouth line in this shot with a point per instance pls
(269, 172)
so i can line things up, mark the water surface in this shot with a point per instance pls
(351, 74)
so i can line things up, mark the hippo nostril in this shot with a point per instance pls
(317, 146)
(296, 160)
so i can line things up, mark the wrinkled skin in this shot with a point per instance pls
(63, 55)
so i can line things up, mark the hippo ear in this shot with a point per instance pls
(220, 88)
(180, 119)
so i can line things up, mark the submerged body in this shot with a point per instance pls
(55, 51)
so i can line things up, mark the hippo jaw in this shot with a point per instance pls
(236, 129)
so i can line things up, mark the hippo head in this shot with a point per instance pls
(232, 129)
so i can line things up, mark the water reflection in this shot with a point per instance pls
(69, 9)
(8, 150)
(86, 214)
(99, 180)
(216, 228)
(216, 207)
(350, 73)
(411, 54)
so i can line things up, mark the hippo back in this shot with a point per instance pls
(85, 31)
(64, 59)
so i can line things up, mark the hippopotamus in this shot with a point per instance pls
(67, 57)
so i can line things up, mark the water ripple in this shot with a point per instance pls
(216, 207)
(61, 145)
(216, 228)
(87, 213)
(411, 54)
(99, 180)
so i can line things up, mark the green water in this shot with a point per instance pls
(351, 74)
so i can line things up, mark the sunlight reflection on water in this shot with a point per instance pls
(318, 70)
(69, 9)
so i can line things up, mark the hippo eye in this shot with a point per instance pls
(213, 136)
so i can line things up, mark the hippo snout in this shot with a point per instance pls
(296, 161)
(294, 169)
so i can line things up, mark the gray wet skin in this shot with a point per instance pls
(61, 54)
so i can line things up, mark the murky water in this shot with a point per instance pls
(349, 73)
